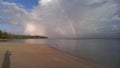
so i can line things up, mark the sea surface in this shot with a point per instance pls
(103, 51)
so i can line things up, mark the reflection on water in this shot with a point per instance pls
(99, 50)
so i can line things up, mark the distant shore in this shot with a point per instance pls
(6, 35)
(40, 56)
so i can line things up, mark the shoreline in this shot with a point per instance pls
(42, 56)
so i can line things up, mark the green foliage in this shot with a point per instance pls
(5, 35)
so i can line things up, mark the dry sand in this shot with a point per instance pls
(40, 56)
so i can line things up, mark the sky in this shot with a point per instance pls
(61, 18)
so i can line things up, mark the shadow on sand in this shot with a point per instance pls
(6, 61)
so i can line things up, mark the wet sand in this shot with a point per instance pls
(16, 55)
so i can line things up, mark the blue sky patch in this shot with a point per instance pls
(27, 4)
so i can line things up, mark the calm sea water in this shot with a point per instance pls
(103, 51)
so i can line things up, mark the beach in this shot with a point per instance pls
(22, 55)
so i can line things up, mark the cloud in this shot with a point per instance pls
(76, 17)
(116, 28)
(11, 13)
(32, 29)
(117, 18)
(12, 17)
(63, 18)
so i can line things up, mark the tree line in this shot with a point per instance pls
(6, 35)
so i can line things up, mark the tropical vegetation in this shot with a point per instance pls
(6, 35)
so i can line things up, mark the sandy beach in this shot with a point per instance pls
(16, 55)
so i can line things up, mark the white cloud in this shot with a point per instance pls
(73, 17)
(45, 2)
(34, 29)
(12, 13)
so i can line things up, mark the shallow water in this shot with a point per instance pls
(103, 51)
